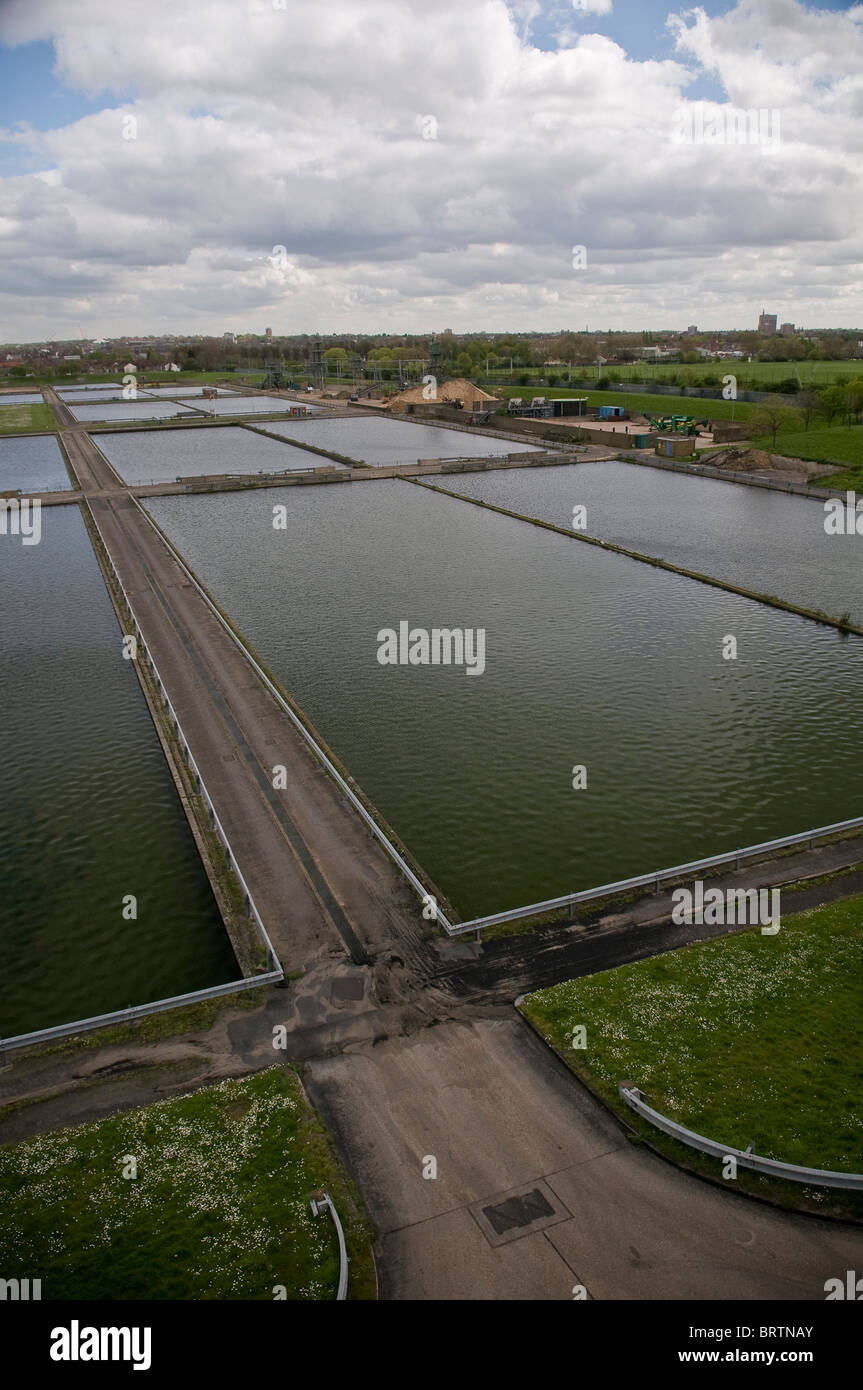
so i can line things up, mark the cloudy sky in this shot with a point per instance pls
(406, 166)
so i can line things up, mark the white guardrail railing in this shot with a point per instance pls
(657, 877)
(275, 972)
(379, 834)
(745, 1158)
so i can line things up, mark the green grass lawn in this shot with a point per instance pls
(744, 1039)
(759, 373)
(26, 419)
(205, 378)
(841, 445)
(647, 404)
(219, 1209)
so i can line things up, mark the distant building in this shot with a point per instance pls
(787, 329)
(693, 328)
(766, 323)
(268, 332)
(232, 337)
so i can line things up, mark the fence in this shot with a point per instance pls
(771, 1167)
(656, 878)
(275, 972)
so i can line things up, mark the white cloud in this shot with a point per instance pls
(256, 128)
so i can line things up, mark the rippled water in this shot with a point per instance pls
(161, 457)
(88, 810)
(381, 442)
(65, 392)
(592, 659)
(33, 465)
(767, 541)
(245, 405)
(173, 391)
(139, 409)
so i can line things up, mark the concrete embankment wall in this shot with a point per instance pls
(815, 615)
(727, 475)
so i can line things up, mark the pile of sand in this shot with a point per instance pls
(459, 389)
(760, 461)
(741, 460)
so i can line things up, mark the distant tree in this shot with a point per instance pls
(773, 415)
(831, 402)
(809, 405)
(853, 398)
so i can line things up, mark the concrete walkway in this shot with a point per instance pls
(538, 1189)
(321, 884)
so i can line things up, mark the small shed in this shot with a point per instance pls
(674, 446)
(612, 412)
(569, 405)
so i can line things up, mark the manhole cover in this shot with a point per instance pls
(519, 1213)
(347, 988)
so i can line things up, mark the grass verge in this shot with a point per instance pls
(219, 1208)
(26, 419)
(842, 445)
(744, 1039)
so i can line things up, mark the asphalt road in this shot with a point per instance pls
(505, 1120)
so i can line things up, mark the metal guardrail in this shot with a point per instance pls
(200, 785)
(275, 972)
(771, 1167)
(157, 1006)
(657, 877)
(406, 870)
(320, 1204)
(224, 477)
